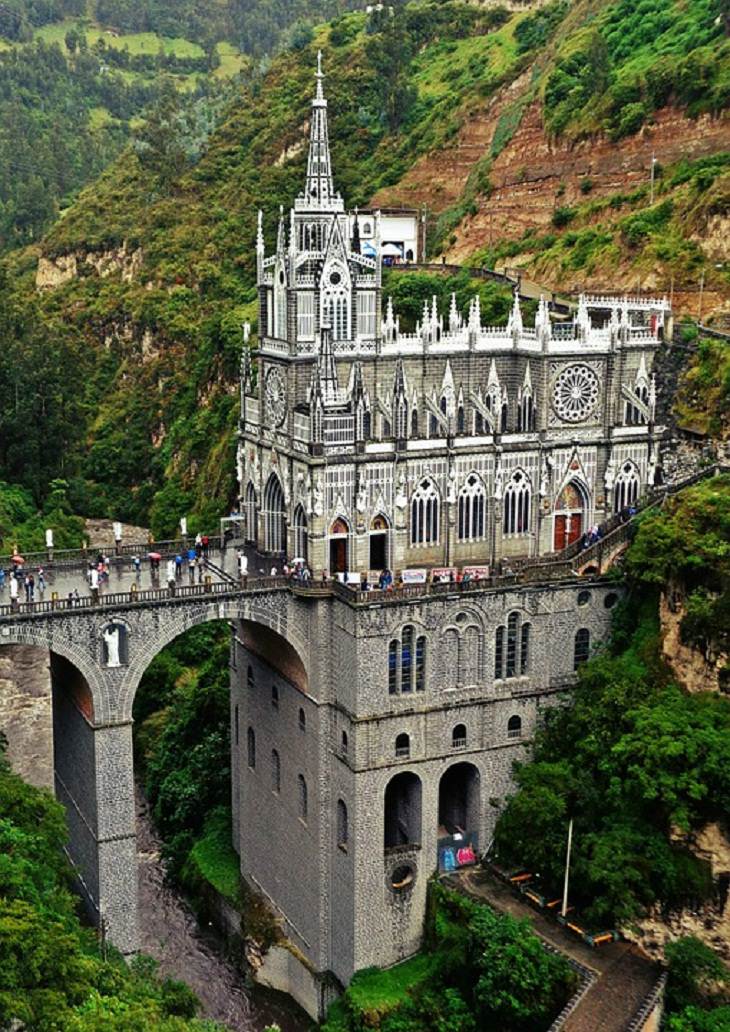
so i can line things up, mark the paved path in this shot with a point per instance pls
(624, 975)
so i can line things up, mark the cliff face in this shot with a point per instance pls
(535, 174)
(696, 671)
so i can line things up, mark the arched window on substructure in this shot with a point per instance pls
(407, 662)
(581, 647)
(425, 511)
(402, 746)
(626, 487)
(471, 510)
(302, 720)
(512, 648)
(275, 772)
(274, 516)
(249, 511)
(300, 533)
(303, 795)
(250, 682)
(514, 727)
(458, 737)
(343, 830)
(517, 504)
(251, 744)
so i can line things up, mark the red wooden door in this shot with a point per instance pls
(559, 536)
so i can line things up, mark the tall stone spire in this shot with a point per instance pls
(320, 190)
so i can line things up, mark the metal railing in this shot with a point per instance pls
(67, 558)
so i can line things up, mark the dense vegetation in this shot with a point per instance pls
(637, 763)
(632, 59)
(52, 974)
(479, 971)
(165, 415)
(661, 239)
(182, 736)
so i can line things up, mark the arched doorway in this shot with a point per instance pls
(274, 516)
(379, 529)
(402, 816)
(458, 817)
(569, 515)
(339, 535)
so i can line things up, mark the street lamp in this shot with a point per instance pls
(653, 167)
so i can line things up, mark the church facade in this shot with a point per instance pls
(377, 756)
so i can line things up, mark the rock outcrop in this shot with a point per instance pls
(55, 272)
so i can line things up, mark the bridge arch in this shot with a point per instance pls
(252, 612)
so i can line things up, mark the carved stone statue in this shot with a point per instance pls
(361, 502)
(401, 496)
(610, 475)
(111, 637)
(544, 480)
(317, 499)
(451, 489)
(498, 483)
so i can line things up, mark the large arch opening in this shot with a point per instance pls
(402, 824)
(458, 816)
(274, 517)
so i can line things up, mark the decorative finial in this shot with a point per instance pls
(320, 76)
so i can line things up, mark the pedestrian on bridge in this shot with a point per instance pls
(41, 580)
(171, 577)
(178, 566)
(94, 584)
(191, 568)
(14, 592)
(243, 568)
(137, 564)
(2, 580)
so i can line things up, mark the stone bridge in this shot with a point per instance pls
(92, 712)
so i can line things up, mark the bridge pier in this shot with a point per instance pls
(93, 776)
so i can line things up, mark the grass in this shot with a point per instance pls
(232, 61)
(215, 858)
(136, 43)
(375, 993)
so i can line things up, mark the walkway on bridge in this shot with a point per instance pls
(624, 978)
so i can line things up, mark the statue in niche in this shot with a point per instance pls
(112, 640)
(362, 496)
(317, 499)
(401, 498)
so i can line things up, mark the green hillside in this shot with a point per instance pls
(155, 352)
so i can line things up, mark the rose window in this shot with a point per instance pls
(575, 393)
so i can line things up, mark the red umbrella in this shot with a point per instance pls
(17, 558)
(154, 555)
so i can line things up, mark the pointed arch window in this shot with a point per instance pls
(626, 487)
(401, 419)
(633, 415)
(471, 509)
(335, 313)
(274, 519)
(526, 412)
(300, 533)
(478, 422)
(249, 511)
(504, 417)
(275, 772)
(280, 306)
(414, 422)
(517, 504)
(460, 420)
(425, 514)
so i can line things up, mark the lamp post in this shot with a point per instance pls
(564, 909)
(653, 166)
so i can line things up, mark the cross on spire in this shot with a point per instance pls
(319, 188)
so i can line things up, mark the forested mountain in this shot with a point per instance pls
(149, 275)
(76, 79)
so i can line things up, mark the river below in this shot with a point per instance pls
(171, 934)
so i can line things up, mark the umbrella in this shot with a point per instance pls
(154, 555)
(391, 251)
(17, 558)
(299, 561)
